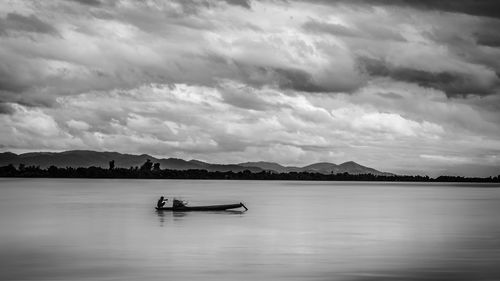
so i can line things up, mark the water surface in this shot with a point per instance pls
(80, 229)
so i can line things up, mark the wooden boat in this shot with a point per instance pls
(184, 208)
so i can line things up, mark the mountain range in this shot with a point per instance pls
(86, 158)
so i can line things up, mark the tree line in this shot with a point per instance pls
(150, 170)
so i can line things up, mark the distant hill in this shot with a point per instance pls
(350, 167)
(86, 158)
(267, 166)
(323, 168)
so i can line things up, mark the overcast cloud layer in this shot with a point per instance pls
(401, 86)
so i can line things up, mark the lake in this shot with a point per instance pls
(102, 229)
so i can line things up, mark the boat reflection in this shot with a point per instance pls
(177, 215)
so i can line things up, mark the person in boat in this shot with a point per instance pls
(161, 202)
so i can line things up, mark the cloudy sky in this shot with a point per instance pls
(402, 86)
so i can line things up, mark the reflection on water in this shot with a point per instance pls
(179, 214)
(108, 230)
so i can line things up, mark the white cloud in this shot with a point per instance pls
(196, 122)
(78, 125)
(447, 159)
(393, 124)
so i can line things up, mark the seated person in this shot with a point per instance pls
(161, 202)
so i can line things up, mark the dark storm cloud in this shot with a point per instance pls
(305, 63)
(452, 83)
(10, 83)
(390, 95)
(242, 3)
(165, 21)
(300, 80)
(487, 8)
(289, 79)
(488, 33)
(15, 75)
(6, 108)
(194, 6)
(284, 78)
(490, 40)
(89, 2)
(244, 97)
(17, 22)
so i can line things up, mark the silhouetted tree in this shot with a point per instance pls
(8, 171)
(52, 171)
(156, 167)
(147, 165)
(111, 164)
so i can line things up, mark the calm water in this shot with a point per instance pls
(78, 229)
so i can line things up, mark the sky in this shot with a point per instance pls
(409, 87)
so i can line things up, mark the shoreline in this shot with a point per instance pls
(121, 173)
